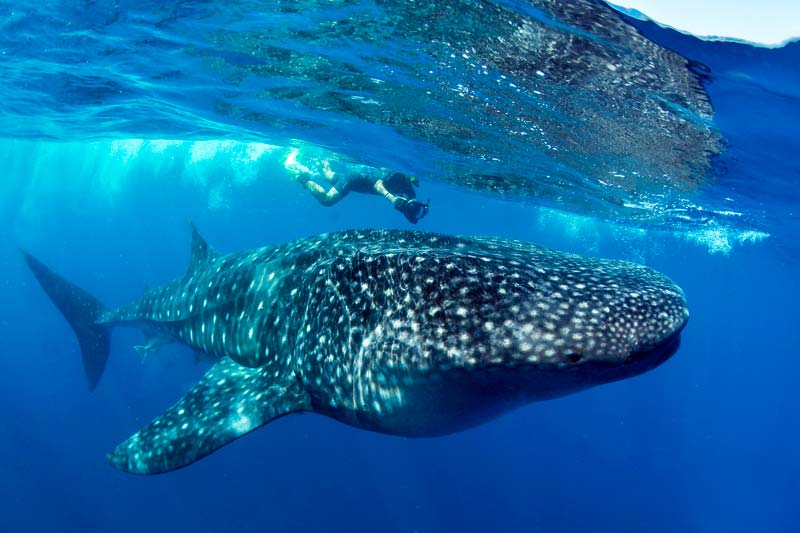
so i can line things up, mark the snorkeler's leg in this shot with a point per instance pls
(332, 196)
(325, 197)
(295, 168)
(329, 174)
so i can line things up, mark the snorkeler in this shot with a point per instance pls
(396, 187)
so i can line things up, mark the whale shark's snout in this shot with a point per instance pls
(635, 315)
(653, 323)
(607, 319)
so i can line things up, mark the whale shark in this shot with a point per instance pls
(399, 332)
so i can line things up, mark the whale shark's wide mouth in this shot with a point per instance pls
(657, 354)
(638, 362)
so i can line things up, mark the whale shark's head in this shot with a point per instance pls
(512, 322)
(441, 333)
(593, 320)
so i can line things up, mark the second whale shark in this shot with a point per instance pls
(399, 332)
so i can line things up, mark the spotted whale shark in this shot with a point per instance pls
(398, 332)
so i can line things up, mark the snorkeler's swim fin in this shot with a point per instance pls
(81, 309)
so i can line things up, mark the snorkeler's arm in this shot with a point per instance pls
(380, 188)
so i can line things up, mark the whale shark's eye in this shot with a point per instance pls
(574, 357)
(356, 335)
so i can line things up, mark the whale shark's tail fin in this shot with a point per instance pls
(81, 309)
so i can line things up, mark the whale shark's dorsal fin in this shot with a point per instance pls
(201, 252)
(228, 402)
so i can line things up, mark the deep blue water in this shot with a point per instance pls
(705, 442)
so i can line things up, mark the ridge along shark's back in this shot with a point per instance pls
(393, 331)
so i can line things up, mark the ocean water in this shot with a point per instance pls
(566, 124)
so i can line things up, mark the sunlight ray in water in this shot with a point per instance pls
(569, 105)
(559, 103)
(223, 170)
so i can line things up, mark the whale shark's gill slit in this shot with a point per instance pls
(357, 359)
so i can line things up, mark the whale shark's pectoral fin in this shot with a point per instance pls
(228, 402)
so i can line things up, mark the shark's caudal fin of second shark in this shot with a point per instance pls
(81, 309)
